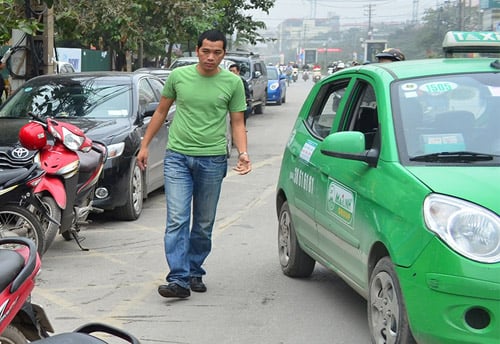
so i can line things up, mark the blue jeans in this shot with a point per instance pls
(190, 182)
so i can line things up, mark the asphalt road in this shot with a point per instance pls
(248, 300)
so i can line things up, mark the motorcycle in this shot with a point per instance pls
(73, 164)
(316, 75)
(17, 199)
(295, 74)
(22, 321)
(305, 75)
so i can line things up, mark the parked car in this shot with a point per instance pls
(276, 85)
(112, 107)
(161, 73)
(254, 70)
(391, 178)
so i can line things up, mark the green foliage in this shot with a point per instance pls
(13, 16)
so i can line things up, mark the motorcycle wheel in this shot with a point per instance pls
(50, 228)
(16, 221)
(11, 335)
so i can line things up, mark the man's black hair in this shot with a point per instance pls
(235, 65)
(212, 36)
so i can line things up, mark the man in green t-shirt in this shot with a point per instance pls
(196, 160)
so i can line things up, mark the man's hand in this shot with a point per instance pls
(142, 158)
(244, 165)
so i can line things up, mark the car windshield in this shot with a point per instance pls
(89, 98)
(272, 74)
(448, 118)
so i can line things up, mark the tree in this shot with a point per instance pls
(235, 20)
(15, 15)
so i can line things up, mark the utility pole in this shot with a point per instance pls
(370, 29)
(415, 12)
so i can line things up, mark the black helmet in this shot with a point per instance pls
(392, 54)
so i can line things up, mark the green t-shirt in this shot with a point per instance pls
(202, 103)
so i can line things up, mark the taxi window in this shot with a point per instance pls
(325, 108)
(454, 113)
(364, 115)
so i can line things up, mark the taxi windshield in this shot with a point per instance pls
(448, 118)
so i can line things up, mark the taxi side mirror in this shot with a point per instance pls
(349, 145)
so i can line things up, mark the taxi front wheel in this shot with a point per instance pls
(294, 261)
(386, 309)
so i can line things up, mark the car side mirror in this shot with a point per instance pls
(150, 109)
(349, 145)
(257, 74)
(282, 76)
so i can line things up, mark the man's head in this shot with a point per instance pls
(212, 36)
(234, 68)
(390, 55)
(210, 50)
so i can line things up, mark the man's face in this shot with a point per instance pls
(210, 54)
(234, 70)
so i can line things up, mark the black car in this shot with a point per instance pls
(111, 107)
(254, 70)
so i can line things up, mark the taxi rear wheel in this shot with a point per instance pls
(386, 309)
(294, 261)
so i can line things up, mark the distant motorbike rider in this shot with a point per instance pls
(390, 55)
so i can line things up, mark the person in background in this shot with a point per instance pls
(196, 159)
(2, 82)
(390, 55)
(235, 68)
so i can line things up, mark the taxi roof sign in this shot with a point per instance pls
(471, 42)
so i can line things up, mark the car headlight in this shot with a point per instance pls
(467, 228)
(274, 86)
(115, 150)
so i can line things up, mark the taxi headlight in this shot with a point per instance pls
(467, 228)
(274, 86)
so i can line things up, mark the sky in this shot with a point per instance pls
(350, 11)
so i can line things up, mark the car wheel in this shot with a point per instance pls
(284, 99)
(259, 109)
(135, 195)
(386, 309)
(279, 101)
(293, 260)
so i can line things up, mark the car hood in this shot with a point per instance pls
(477, 184)
(103, 130)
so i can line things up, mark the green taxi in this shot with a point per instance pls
(391, 178)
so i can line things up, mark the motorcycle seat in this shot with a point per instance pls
(12, 174)
(11, 264)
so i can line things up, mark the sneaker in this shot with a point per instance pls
(173, 290)
(197, 285)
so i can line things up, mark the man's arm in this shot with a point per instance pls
(154, 125)
(243, 165)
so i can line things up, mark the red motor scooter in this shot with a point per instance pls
(20, 320)
(73, 164)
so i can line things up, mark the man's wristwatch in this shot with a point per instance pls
(242, 153)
